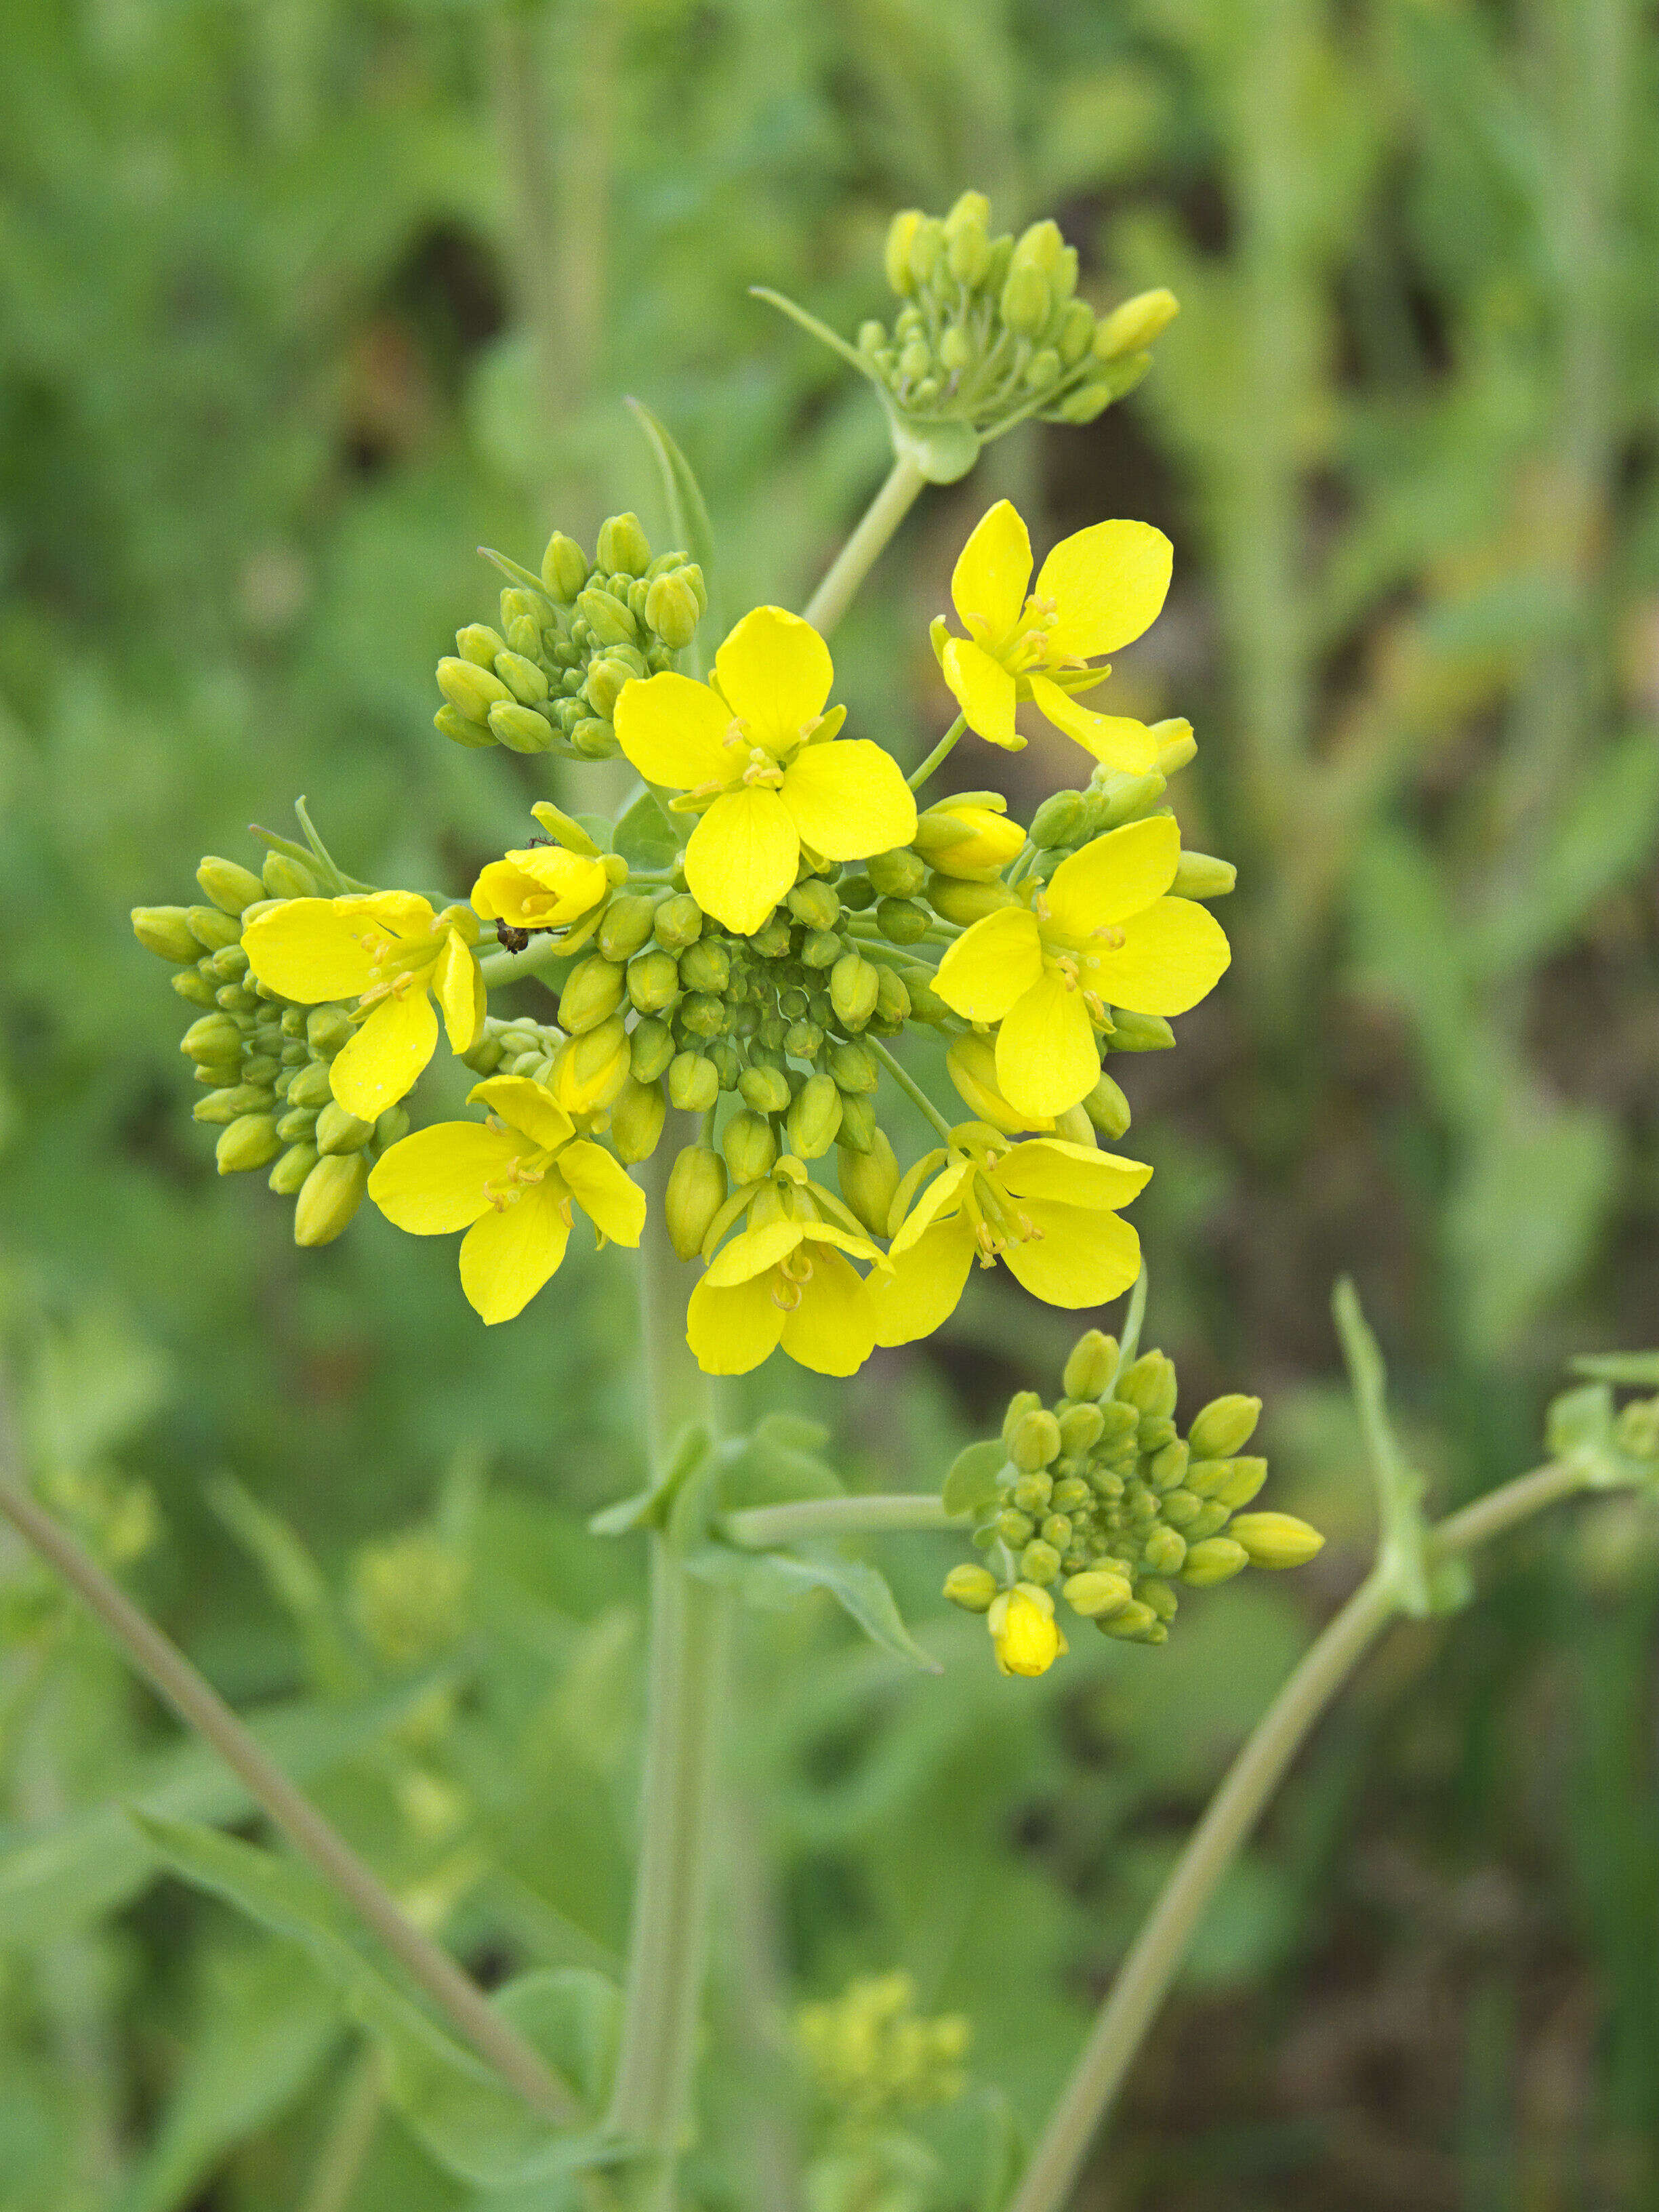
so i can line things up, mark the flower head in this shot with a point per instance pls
(1097, 590)
(1025, 1636)
(1046, 1208)
(754, 753)
(387, 950)
(969, 836)
(543, 887)
(1101, 933)
(511, 1183)
(786, 1279)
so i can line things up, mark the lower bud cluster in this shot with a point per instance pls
(1102, 1500)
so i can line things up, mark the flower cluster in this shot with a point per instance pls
(1100, 1497)
(872, 2054)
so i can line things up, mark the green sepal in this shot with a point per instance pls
(650, 1508)
(1402, 1547)
(972, 1483)
(644, 834)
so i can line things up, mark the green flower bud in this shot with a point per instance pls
(694, 1083)
(653, 982)
(392, 1127)
(852, 1070)
(1140, 1032)
(603, 685)
(1136, 324)
(340, 1132)
(1164, 1550)
(1168, 1465)
(594, 739)
(706, 966)
(1077, 332)
(625, 926)
(479, 644)
(898, 874)
(751, 1147)
(1204, 1477)
(673, 611)
(856, 893)
(166, 931)
(1014, 1527)
(329, 1197)
(288, 1174)
(310, 1085)
(971, 1587)
(285, 877)
(1043, 370)
(1080, 1428)
(1274, 1540)
(965, 903)
(926, 1004)
(1210, 1519)
(298, 1126)
(250, 1141)
(1061, 820)
(1083, 403)
(1097, 1594)
(1180, 1507)
(193, 987)
(900, 235)
(815, 905)
(901, 921)
(857, 1129)
(221, 1108)
(609, 619)
(521, 729)
(1033, 1490)
(853, 986)
(564, 567)
(229, 886)
(696, 1193)
(892, 1002)
(766, 1089)
(623, 547)
(1198, 876)
(967, 239)
(636, 1120)
(328, 1028)
(927, 249)
(212, 928)
(1132, 1624)
(1155, 1431)
(814, 1117)
(1149, 1385)
(1034, 1441)
(1022, 1402)
(592, 993)
(1108, 1108)
(1242, 1483)
(1026, 301)
(214, 1039)
(1090, 1366)
(471, 691)
(771, 940)
(523, 678)
(1056, 1530)
(459, 730)
(869, 1179)
(679, 922)
(1224, 1426)
(651, 1047)
(1039, 1563)
(1216, 1559)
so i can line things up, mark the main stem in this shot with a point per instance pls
(1155, 1958)
(858, 556)
(685, 1686)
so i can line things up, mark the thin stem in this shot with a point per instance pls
(1157, 1954)
(912, 1091)
(763, 1528)
(858, 556)
(690, 1634)
(202, 1709)
(941, 752)
(350, 2138)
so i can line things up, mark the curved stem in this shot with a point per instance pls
(763, 1528)
(1155, 1956)
(941, 752)
(911, 1088)
(858, 556)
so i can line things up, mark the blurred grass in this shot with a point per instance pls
(302, 299)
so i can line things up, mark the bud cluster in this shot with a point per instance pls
(408, 1597)
(264, 1064)
(1102, 1498)
(547, 681)
(872, 2054)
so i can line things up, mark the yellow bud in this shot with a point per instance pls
(695, 1194)
(562, 830)
(750, 1145)
(869, 1180)
(593, 992)
(901, 232)
(1024, 1634)
(974, 843)
(1134, 326)
(590, 1070)
(1276, 1540)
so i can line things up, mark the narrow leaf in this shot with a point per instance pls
(1399, 1488)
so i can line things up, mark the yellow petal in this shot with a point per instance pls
(1112, 878)
(984, 690)
(308, 950)
(990, 965)
(926, 1281)
(398, 914)
(1026, 1639)
(525, 1104)
(742, 857)
(605, 1192)
(674, 731)
(1047, 1056)
(848, 800)
(541, 887)
(971, 1065)
(987, 585)
(1079, 1258)
(1073, 1174)
(775, 672)
(459, 986)
(833, 1329)
(506, 1257)
(1116, 740)
(753, 1252)
(1171, 954)
(1109, 583)
(434, 1181)
(378, 1065)
(941, 1193)
(733, 1329)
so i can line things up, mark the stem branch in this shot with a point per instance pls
(764, 1528)
(859, 554)
(941, 752)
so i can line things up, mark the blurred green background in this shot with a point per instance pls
(300, 300)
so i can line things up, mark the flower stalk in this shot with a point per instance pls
(897, 495)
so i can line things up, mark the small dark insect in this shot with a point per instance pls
(512, 940)
(541, 841)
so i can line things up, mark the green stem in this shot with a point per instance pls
(912, 1091)
(941, 752)
(202, 1709)
(1155, 1956)
(764, 1528)
(350, 2139)
(858, 556)
(689, 1633)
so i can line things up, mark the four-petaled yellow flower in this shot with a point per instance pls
(387, 950)
(1025, 1636)
(784, 1282)
(1097, 591)
(1100, 933)
(1047, 1209)
(755, 752)
(543, 887)
(511, 1182)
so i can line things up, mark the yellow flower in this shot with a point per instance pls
(1100, 933)
(971, 1065)
(387, 950)
(511, 1182)
(541, 887)
(969, 836)
(1097, 591)
(1046, 1208)
(789, 1282)
(1025, 1636)
(753, 753)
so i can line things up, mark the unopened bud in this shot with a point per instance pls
(1035, 1439)
(858, 1123)
(288, 1174)
(694, 1083)
(1059, 819)
(969, 841)
(338, 1131)
(166, 931)
(751, 1147)
(1108, 1108)
(679, 922)
(892, 1002)
(521, 729)
(696, 1193)
(853, 1070)
(765, 1089)
(1224, 1426)
(1242, 1482)
(900, 234)
(1136, 324)
(673, 611)
(653, 982)
(610, 619)
(328, 1028)
(971, 1587)
(1149, 1385)
(1214, 1559)
(814, 1118)
(625, 926)
(1276, 1540)
(1097, 1594)
(854, 985)
(593, 992)
(622, 547)
(471, 691)
(285, 877)
(229, 885)
(213, 928)
(814, 904)
(251, 1141)
(329, 1197)
(564, 567)
(636, 1120)
(966, 903)
(1198, 877)
(212, 1040)
(869, 1179)
(1140, 1032)
(1026, 301)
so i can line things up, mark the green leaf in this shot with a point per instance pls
(689, 526)
(650, 1508)
(972, 1481)
(645, 834)
(1399, 1488)
(778, 1578)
